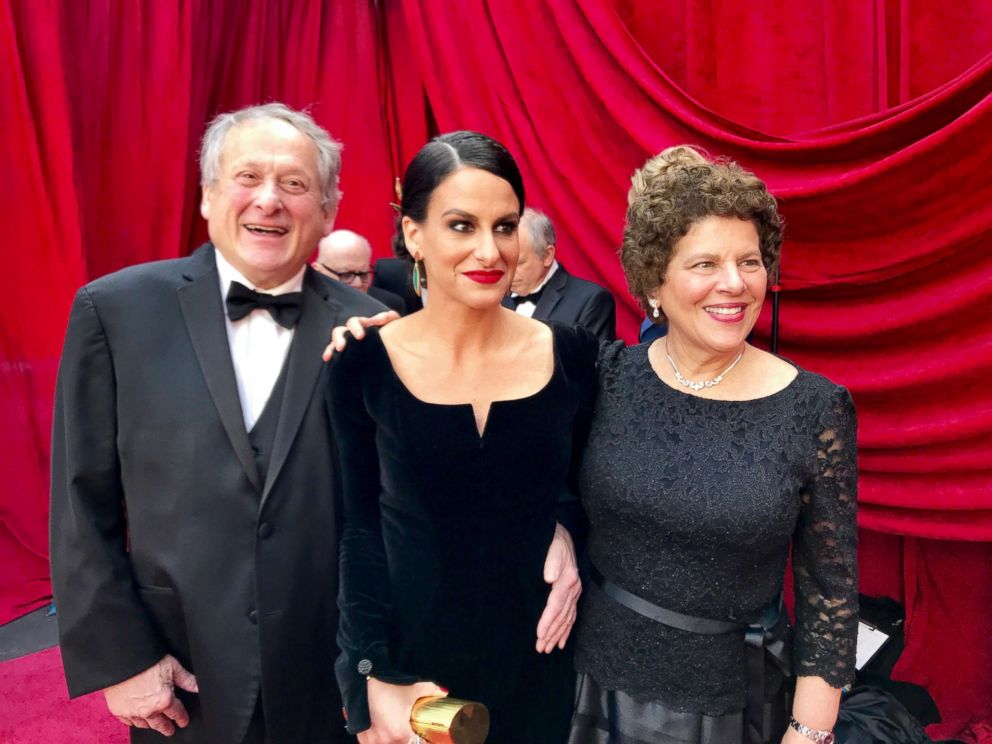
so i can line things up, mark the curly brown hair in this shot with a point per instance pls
(677, 188)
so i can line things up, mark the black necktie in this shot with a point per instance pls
(284, 308)
(521, 299)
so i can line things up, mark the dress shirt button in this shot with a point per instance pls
(265, 530)
(365, 667)
(253, 617)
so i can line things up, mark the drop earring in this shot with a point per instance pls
(654, 307)
(416, 278)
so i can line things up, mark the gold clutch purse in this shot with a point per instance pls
(445, 720)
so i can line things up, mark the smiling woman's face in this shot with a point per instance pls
(714, 285)
(264, 211)
(468, 240)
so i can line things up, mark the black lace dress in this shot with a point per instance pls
(445, 536)
(693, 504)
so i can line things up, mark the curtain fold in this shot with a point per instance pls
(44, 253)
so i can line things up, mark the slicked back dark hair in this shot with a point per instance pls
(445, 154)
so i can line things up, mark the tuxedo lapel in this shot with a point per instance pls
(318, 315)
(203, 312)
(551, 295)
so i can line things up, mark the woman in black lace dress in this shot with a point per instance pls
(706, 460)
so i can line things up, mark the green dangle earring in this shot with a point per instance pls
(416, 277)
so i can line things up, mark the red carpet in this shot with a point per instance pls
(35, 708)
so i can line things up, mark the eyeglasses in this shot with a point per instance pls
(347, 277)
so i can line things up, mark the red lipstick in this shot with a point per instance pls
(485, 277)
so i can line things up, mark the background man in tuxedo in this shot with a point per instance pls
(193, 523)
(542, 289)
(346, 257)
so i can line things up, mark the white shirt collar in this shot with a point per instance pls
(544, 281)
(227, 274)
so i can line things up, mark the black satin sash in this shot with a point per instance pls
(764, 719)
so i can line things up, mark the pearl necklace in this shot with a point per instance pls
(705, 383)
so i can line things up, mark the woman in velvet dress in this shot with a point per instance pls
(456, 431)
(707, 458)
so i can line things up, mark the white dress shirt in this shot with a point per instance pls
(258, 344)
(528, 308)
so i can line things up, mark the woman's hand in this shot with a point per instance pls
(562, 572)
(356, 325)
(389, 708)
(815, 705)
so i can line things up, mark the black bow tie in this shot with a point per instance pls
(284, 308)
(532, 297)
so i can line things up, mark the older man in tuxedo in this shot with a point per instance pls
(193, 520)
(193, 527)
(542, 289)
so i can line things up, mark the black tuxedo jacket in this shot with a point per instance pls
(390, 299)
(573, 301)
(163, 537)
(395, 275)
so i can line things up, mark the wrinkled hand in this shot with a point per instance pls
(390, 706)
(356, 325)
(148, 700)
(561, 571)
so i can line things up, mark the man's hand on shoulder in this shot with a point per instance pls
(148, 700)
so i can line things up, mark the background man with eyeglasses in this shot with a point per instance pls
(346, 256)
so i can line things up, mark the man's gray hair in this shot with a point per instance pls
(328, 148)
(542, 231)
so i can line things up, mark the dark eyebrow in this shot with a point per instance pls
(459, 213)
(716, 256)
(469, 215)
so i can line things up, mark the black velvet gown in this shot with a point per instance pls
(445, 536)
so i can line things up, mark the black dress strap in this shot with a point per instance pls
(673, 619)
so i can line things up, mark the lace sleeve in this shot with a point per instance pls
(825, 550)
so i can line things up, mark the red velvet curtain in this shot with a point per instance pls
(869, 120)
(44, 252)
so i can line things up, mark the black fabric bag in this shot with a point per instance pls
(869, 715)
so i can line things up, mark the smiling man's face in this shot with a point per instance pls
(264, 211)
